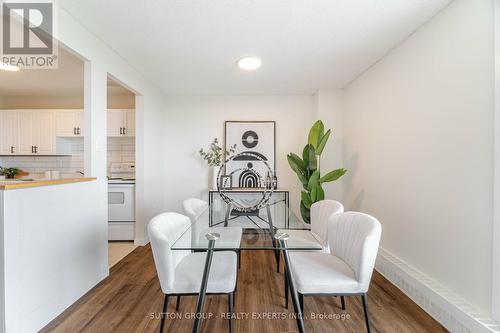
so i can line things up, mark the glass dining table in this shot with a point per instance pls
(270, 228)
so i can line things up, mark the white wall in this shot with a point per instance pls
(62, 102)
(328, 107)
(418, 133)
(193, 121)
(149, 115)
(49, 260)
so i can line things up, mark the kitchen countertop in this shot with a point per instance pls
(18, 184)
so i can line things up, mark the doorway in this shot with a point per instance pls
(120, 132)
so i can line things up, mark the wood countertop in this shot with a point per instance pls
(18, 184)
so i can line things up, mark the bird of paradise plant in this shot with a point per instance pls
(308, 170)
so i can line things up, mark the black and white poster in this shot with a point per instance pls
(257, 138)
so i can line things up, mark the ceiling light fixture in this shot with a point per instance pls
(249, 63)
(7, 67)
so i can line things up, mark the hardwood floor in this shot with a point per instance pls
(130, 300)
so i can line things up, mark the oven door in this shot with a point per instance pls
(121, 206)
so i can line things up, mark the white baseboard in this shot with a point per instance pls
(447, 308)
(141, 241)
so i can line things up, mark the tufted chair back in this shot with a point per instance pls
(354, 237)
(164, 230)
(194, 208)
(320, 213)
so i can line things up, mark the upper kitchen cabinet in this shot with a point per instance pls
(9, 128)
(36, 133)
(69, 123)
(121, 122)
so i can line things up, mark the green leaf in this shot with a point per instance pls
(305, 156)
(306, 199)
(296, 163)
(332, 175)
(309, 156)
(302, 178)
(322, 142)
(306, 213)
(320, 194)
(314, 193)
(313, 180)
(316, 133)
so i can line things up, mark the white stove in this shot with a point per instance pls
(121, 201)
(122, 172)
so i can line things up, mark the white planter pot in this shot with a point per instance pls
(212, 177)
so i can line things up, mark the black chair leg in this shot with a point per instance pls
(239, 259)
(178, 303)
(342, 301)
(301, 302)
(278, 256)
(365, 307)
(230, 299)
(286, 290)
(164, 313)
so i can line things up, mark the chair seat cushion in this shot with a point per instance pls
(222, 277)
(322, 273)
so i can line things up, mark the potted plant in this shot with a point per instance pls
(308, 170)
(9, 173)
(214, 158)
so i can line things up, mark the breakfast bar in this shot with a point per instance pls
(53, 244)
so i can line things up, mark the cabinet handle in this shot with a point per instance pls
(12, 149)
(78, 130)
(121, 130)
(36, 149)
(32, 149)
(124, 130)
(74, 130)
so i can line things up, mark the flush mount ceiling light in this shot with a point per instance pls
(249, 63)
(7, 67)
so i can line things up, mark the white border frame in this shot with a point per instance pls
(495, 287)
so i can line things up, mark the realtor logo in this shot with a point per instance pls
(27, 30)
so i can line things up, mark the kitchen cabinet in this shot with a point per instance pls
(9, 132)
(130, 122)
(69, 122)
(36, 133)
(121, 122)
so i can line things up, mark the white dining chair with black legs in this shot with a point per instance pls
(321, 211)
(181, 272)
(346, 270)
(194, 208)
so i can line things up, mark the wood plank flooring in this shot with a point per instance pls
(130, 300)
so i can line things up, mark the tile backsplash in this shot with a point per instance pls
(119, 150)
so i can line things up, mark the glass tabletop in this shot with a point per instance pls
(259, 230)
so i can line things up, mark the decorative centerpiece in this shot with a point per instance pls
(214, 158)
(308, 171)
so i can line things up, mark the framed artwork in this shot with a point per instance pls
(226, 182)
(256, 137)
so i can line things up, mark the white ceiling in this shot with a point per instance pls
(190, 47)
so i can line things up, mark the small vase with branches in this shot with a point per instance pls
(214, 157)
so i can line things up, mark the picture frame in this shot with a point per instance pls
(257, 137)
(226, 182)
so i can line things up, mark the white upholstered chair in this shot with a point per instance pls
(194, 208)
(321, 211)
(180, 272)
(353, 239)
